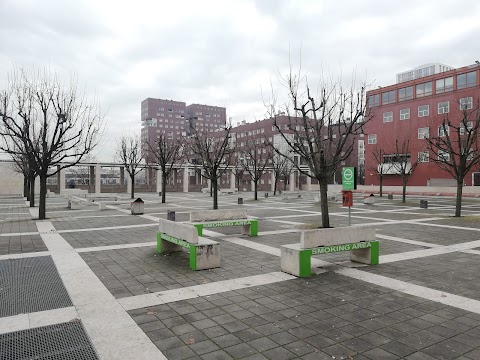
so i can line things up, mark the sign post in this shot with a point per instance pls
(348, 184)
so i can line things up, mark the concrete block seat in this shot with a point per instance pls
(223, 218)
(359, 240)
(287, 195)
(173, 237)
(228, 191)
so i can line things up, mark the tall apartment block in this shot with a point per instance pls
(413, 110)
(205, 117)
(175, 118)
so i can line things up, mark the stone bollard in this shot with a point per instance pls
(266, 195)
(170, 215)
(369, 200)
(390, 196)
(240, 201)
(423, 204)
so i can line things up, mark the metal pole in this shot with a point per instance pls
(349, 217)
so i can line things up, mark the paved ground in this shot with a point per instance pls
(88, 284)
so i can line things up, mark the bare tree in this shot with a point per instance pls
(55, 123)
(129, 154)
(214, 153)
(379, 167)
(256, 156)
(238, 169)
(282, 167)
(402, 161)
(320, 129)
(455, 145)
(166, 153)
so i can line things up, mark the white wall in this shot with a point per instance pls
(11, 182)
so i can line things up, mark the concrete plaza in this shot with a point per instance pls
(88, 284)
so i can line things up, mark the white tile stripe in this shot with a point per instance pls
(113, 332)
(24, 255)
(168, 296)
(37, 319)
(415, 290)
(116, 247)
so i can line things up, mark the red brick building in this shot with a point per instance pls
(412, 110)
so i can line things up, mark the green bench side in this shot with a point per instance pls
(305, 256)
(192, 249)
(225, 223)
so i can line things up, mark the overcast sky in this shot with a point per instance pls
(223, 52)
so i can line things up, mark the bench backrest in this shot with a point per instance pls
(186, 232)
(336, 236)
(223, 214)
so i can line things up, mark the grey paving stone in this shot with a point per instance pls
(379, 354)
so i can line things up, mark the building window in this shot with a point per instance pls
(466, 80)
(372, 139)
(444, 107)
(424, 89)
(388, 116)
(405, 93)
(443, 155)
(423, 133)
(468, 126)
(423, 156)
(443, 130)
(466, 103)
(423, 110)
(404, 114)
(389, 97)
(374, 100)
(444, 85)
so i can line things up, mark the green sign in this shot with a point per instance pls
(176, 241)
(227, 223)
(348, 178)
(343, 247)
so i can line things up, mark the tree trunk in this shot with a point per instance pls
(28, 188)
(25, 186)
(404, 192)
(164, 186)
(275, 186)
(132, 179)
(285, 184)
(324, 202)
(458, 201)
(211, 189)
(255, 187)
(43, 197)
(381, 186)
(214, 187)
(32, 191)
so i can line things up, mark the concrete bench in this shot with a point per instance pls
(76, 203)
(174, 237)
(74, 192)
(359, 240)
(223, 218)
(102, 205)
(228, 191)
(287, 195)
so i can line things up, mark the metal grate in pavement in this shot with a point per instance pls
(67, 341)
(30, 285)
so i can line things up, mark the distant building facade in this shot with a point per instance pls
(415, 109)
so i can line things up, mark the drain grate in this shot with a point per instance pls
(67, 341)
(31, 285)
